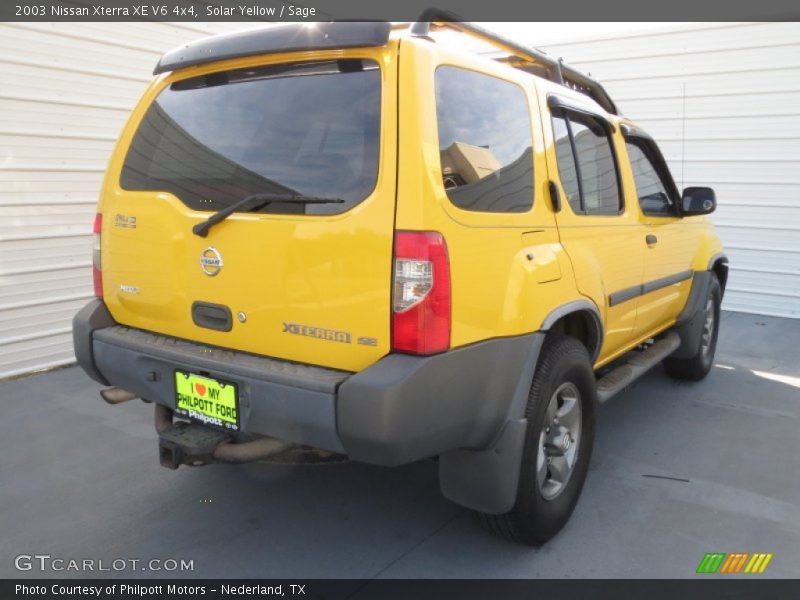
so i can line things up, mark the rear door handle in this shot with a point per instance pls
(212, 316)
(651, 239)
(555, 197)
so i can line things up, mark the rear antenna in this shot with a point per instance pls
(683, 131)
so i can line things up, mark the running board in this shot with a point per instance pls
(639, 363)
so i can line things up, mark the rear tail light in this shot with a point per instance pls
(421, 293)
(97, 274)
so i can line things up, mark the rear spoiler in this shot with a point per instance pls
(337, 35)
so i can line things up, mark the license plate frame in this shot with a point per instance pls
(214, 407)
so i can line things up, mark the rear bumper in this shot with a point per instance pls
(401, 409)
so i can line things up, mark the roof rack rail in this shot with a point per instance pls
(550, 68)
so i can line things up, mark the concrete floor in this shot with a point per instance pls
(80, 479)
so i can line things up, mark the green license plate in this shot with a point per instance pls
(206, 400)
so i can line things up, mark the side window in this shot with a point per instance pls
(587, 164)
(484, 142)
(567, 169)
(654, 195)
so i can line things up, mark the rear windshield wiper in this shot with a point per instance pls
(264, 198)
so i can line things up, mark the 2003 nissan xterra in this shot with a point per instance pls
(354, 237)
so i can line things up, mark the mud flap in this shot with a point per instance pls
(486, 480)
(689, 325)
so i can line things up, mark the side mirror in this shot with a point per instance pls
(698, 201)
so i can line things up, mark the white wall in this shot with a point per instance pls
(723, 101)
(66, 90)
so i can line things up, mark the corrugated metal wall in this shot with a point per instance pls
(723, 101)
(65, 92)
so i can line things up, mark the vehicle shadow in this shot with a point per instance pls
(679, 469)
(674, 462)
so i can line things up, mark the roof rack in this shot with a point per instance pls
(534, 61)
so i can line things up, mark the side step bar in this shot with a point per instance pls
(637, 365)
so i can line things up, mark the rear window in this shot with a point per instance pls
(308, 128)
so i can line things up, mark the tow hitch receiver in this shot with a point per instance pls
(188, 444)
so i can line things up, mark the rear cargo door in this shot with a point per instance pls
(306, 282)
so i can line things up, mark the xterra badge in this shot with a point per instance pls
(317, 332)
(211, 261)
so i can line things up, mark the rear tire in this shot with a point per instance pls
(697, 367)
(558, 444)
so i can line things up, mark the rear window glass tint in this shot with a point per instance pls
(484, 141)
(586, 164)
(599, 180)
(310, 129)
(566, 163)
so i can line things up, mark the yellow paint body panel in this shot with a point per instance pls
(497, 291)
(509, 271)
(330, 272)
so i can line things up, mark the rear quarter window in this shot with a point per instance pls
(484, 141)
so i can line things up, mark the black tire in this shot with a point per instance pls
(536, 518)
(697, 367)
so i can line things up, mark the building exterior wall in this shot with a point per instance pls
(723, 100)
(65, 93)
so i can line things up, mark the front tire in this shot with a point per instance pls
(558, 444)
(697, 367)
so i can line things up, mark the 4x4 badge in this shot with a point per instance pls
(211, 261)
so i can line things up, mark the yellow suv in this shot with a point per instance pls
(359, 238)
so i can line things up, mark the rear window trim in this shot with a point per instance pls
(168, 84)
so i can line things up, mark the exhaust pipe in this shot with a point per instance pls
(259, 449)
(115, 395)
(175, 441)
(163, 418)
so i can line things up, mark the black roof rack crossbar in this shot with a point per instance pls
(286, 38)
(556, 70)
